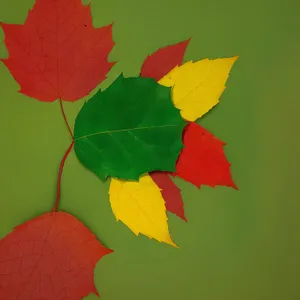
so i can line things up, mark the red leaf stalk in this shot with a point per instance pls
(61, 167)
(62, 163)
(65, 118)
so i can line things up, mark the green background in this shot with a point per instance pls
(237, 245)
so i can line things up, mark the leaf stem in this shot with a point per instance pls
(62, 163)
(65, 118)
(60, 171)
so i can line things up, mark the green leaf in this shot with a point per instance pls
(129, 129)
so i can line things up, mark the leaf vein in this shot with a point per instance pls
(124, 130)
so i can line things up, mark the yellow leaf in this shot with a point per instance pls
(140, 206)
(197, 86)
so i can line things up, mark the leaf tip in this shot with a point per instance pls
(108, 250)
(112, 63)
(184, 218)
(232, 60)
(173, 244)
(111, 24)
(94, 291)
(168, 240)
(187, 41)
(2, 25)
(234, 186)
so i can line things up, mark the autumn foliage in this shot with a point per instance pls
(139, 133)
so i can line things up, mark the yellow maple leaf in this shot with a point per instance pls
(140, 206)
(197, 86)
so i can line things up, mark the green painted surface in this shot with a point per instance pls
(241, 245)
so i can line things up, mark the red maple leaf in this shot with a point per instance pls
(57, 53)
(164, 60)
(51, 257)
(202, 160)
(170, 192)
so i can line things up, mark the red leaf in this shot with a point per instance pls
(202, 160)
(57, 53)
(164, 60)
(51, 257)
(170, 192)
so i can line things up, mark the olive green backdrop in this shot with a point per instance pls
(237, 245)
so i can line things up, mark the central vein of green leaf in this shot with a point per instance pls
(123, 130)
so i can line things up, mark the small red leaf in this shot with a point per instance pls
(164, 60)
(170, 192)
(57, 53)
(51, 257)
(202, 160)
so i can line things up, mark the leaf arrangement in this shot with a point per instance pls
(139, 133)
